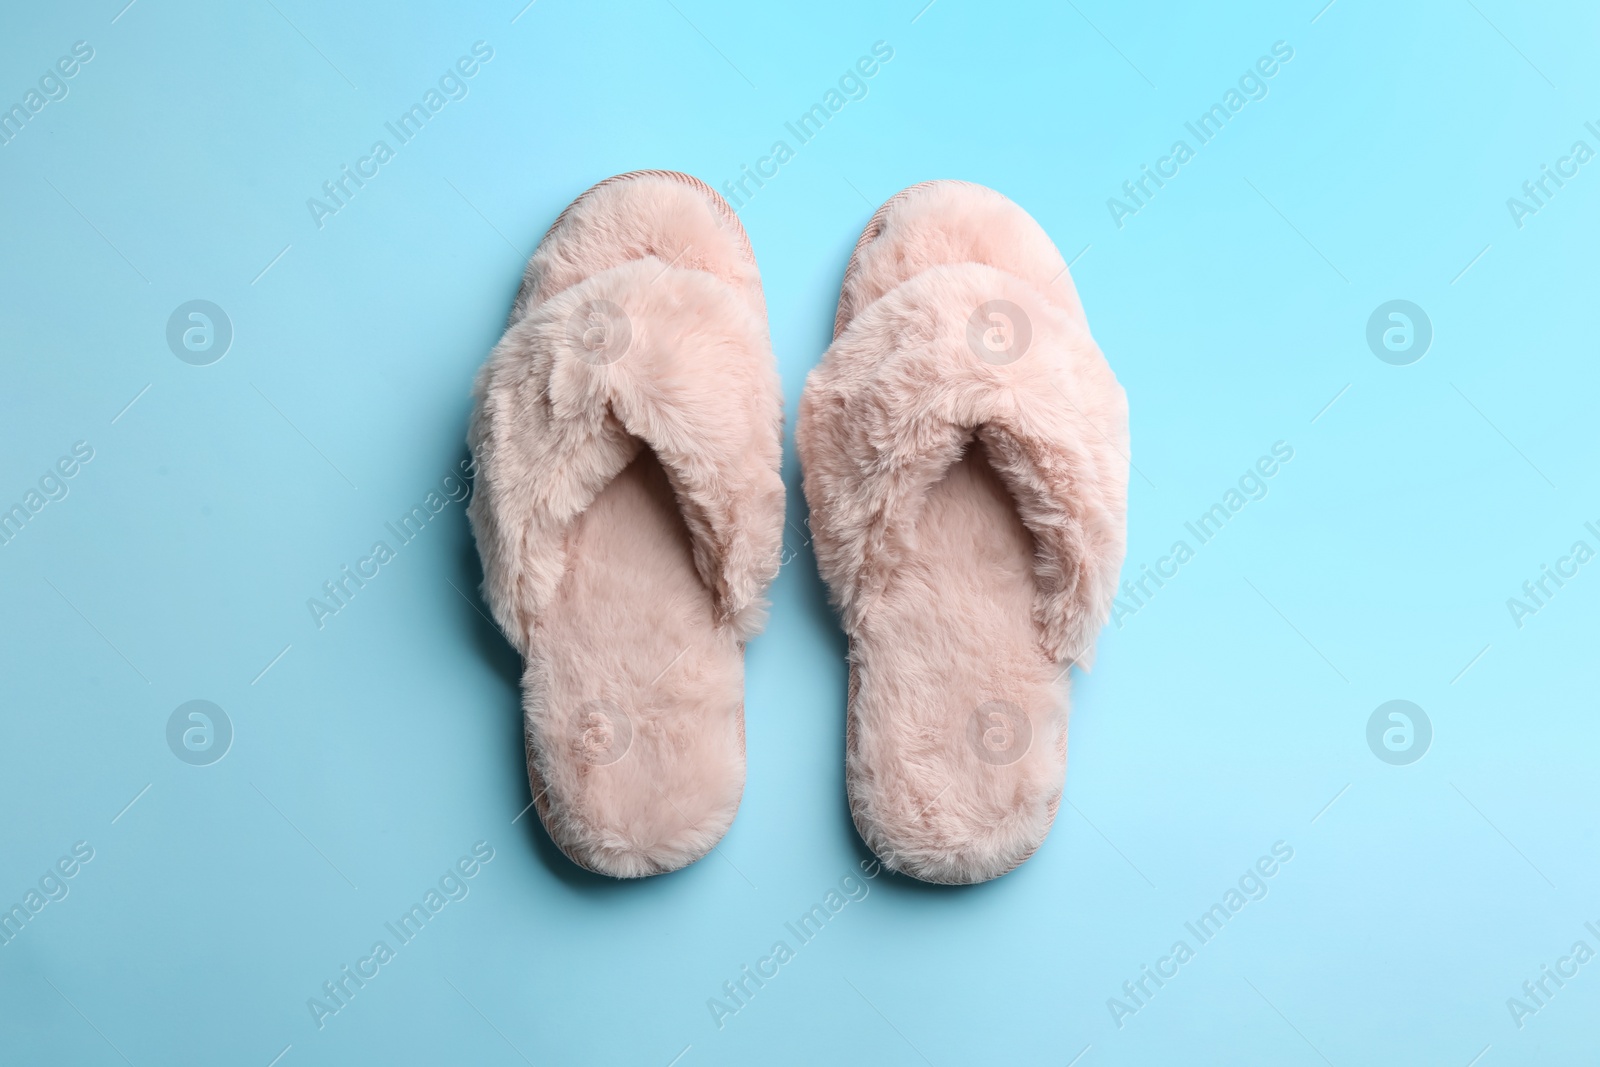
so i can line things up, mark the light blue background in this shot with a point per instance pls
(1223, 717)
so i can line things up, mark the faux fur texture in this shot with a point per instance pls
(969, 519)
(636, 380)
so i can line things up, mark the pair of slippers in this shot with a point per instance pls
(964, 447)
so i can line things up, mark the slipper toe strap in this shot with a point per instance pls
(640, 355)
(955, 353)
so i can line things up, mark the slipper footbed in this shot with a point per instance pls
(637, 735)
(958, 730)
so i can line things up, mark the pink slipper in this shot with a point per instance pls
(629, 514)
(965, 454)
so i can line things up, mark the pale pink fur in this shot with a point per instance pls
(969, 519)
(629, 515)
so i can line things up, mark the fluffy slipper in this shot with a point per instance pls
(629, 513)
(965, 453)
